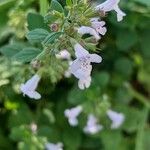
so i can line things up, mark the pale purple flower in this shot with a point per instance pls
(88, 30)
(110, 5)
(72, 115)
(84, 83)
(99, 26)
(52, 146)
(63, 54)
(92, 126)
(30, 86)
(116, 118)
(81, 67)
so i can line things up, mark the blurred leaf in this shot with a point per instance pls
(145, 2)
(126, 39)
(20, 116)
(124, 66)
(72, 139)
(49, 114)
(11, 49)
(35, 21)
(51, 38)
(145, 44)
(113, 140)
(20, 133)
(69, 2)
(27, 54)
(55, 5)
(11, 105)
(37, 35)
(101, 79)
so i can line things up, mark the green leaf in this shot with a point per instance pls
(140, 134)
(27, 54)
(112, 140)
(145, 44)
(72, 139)
(124, 66)
(55, 5)
(51, 38)
(44, 6)
(69, 2)
(101, 79)
(37, 35)
(11, 50)
(126, 39)
(145, 2)
(35, 21)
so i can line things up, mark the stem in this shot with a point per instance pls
(141, 98)
(43, 6)
(140, 134)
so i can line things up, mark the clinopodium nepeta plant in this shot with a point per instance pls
(69, 32)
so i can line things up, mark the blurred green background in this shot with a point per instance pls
(123, 76)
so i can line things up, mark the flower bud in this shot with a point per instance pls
(54, 27)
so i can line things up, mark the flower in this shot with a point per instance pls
(72, 115)
(92, 126)
(99, 26)
(63, 54)
(51, 146)
(29, 87)
(84, 83)
(88, 30)
(81, 67)
(110, 5)
(116, 118)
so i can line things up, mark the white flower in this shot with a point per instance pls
(72, 115)
(92, 126)
(51, 146)
(84, 83)
(81, 67)
(116, 118)
(88, 30)
(29, 87)
(110, 5)
(63, 54)
(99, 26)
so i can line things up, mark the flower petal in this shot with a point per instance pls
(32, 83)
(75, 66)
(106, 6)
(80, 51)
(120, 13)
(95, 58)
(83, 73)
(84, 83)
(33, 94)
(88, 30)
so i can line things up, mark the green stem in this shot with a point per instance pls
(141, 98)
(140, 133)
(43, 6)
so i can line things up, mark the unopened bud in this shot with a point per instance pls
(54, 27)
(36, 64)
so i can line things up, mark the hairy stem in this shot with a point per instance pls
(141, 98)
(43, 6)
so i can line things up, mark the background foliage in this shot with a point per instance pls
(123, 77)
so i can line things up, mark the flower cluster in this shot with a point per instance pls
(81, 67)
(92, 125)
